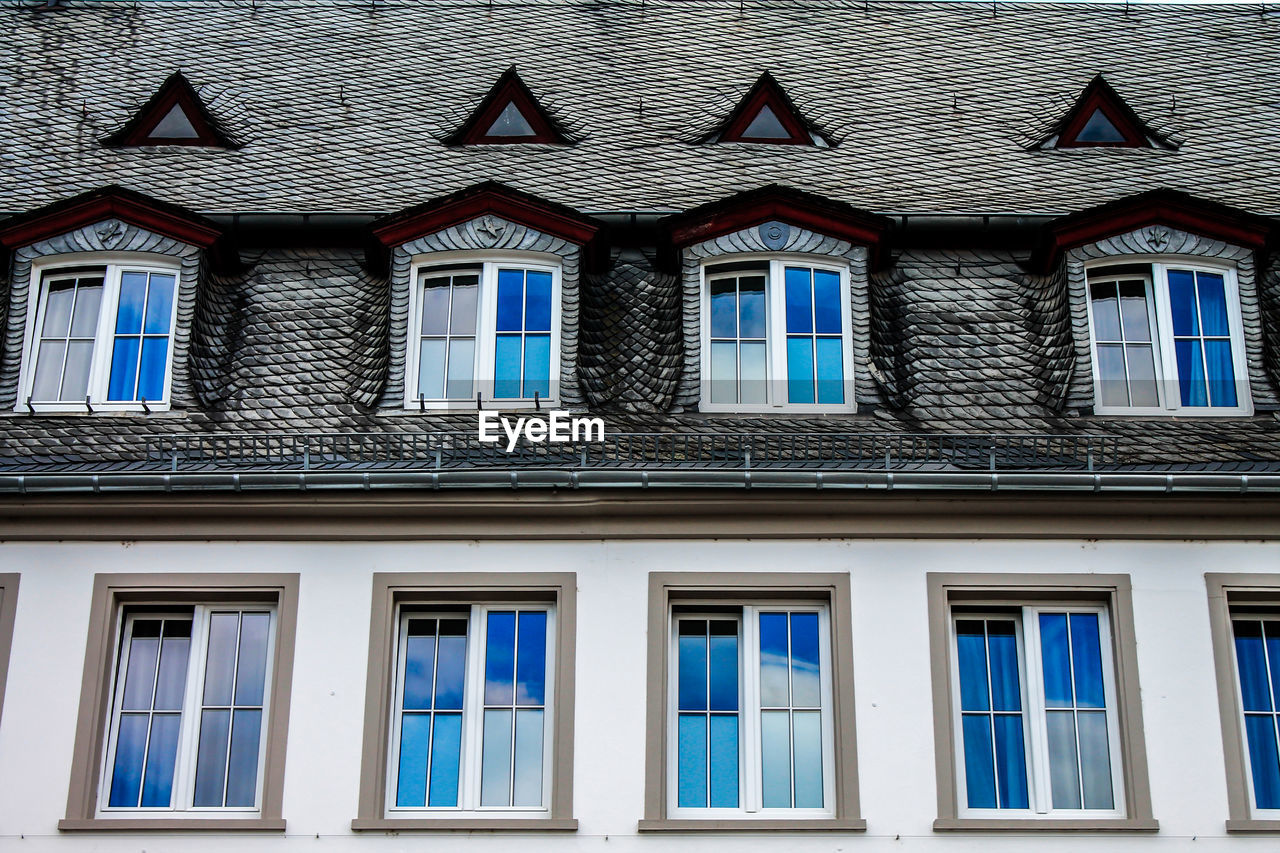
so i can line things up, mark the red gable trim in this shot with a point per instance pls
(175, 90)
(1158, 207)
(766, 92)
(509, 89)
(487, 198)
(1099, 95)
(108, 203)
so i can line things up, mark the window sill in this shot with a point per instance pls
(748, 825)
(172, 824)
(523, 824)
(1251, 825)
(983, 824)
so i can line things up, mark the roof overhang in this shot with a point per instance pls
(1157, 207)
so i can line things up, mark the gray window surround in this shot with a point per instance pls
(1004, 589)
(1226, 589)
(111, 591)
(8, 615)
(393, 588)
(794, 241)
(1164, 241)
(110, 236)
(831, 589)
(494, 235)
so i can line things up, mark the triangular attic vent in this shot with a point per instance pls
(174, 115)
(766, 115)
(1101, 119)
(509, 114)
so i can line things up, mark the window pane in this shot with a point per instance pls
(692, 648)
(766, 125)
(1106, 315)
(419, 663)
(252, 671)
(510, 123)
(1263, 761)
(807, 736)
(754, 359)
(527, 784)
(162, 751)
(510, 300)
(1086, 660)
(799, 294)
(1011, 761)
(724, 667)
(1095, 759)
(1213, 304)
(806, 690)
(221, 665)
(431, 368)
(1133, 311)
(1099, 129)
(979, 766)
(531, 659)
(411, 781)
(830, 363)
(724, 372)
(971, 653)
(1142, 376)
(446, 749)
(537, 301)
(1273, 655)
(75, 376)
(242, 772)
(140, 678)
(1064, 774)
(800, 370)
(724, 761)
(124, 369)
(827, 307)
(57, 309)
(1221, 373)
(495, 774)
(435, 305)
(1111, 379)
(462, 358)
(131, 746)
(1056, 660)
(500, 659)
(84, 323)
(1182, 301)
(172, 683)
(506, 366)
(1191, 373)
(159, 305)
(155, 355)
(1252, 662)
(451, 664)
(133, 295)
(537, 365)
(691, 771)
(724, 308)
(773, 660)
(1006, 691)
(751, 296)
(466, 293)
(211, 760)
(47, 383)
(775, 759)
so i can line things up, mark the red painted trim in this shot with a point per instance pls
(488, 198)
(175, 90)
(509, 89)
(1099, 95)
(777, 203)
(100, 205)
(766, 91)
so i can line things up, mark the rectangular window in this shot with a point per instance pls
(102, 334)
(8, 610)
(777, 335)
(490, 329)
(1167, 338)
(1257, 652)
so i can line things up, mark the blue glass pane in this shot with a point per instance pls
(510, 300)
(799, 302)
(800, 370)
(251, 671)
(531, 659)
(1222, 376)
(1182, 302)
(724, 761)
(1064, 772)
(411, 780)
(724, 308)
(242, 766)
(979, 766)
(830, 362)
(773, 660)
(806, 689)
(419, 664)
(693, 669)
(1273, 655)
(1095, 760)
(751, 296)
(1086, 659)
(537, 365)
(775, 759)
(1056, 660)
(971, 652)
(159, 305)
(1213, 304)
(446, 748)
(526, 786)
(806, 738)
(691, 770)
(537, 302)
(211, 757)
(126, 775)
(724, 672)
(124, 369)
(155, 353)
(1011, 761)
(1002, 642)
(506, 366)
(827, 308)
(1191, 373)
(157, 789)
(1263, 761)
(495, 761)
(1253, 666)
(450, 668)
(133, 294)
(500, 659)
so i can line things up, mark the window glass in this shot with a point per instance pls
(815, 349)
(738, 345)
(1202, 338)
(447, 345)
(64, 349)
(1257, 645)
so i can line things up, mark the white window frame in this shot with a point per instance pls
(486, 325)
(43, 269)
(1166, 361)
(1034, 736)
(1254, 812)
(749, 750)
(776, 332)
(189, 735)
(470, 763)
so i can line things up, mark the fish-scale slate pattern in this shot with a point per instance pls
(342, 106)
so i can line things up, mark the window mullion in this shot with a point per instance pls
(473, 709)
(1171, 384)
(100, 363)
(190, 735)
(1036, 711)
(775, 329)
(750, 663)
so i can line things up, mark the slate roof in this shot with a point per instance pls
(342, 106)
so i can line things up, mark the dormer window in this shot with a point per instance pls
(1167, 339)
(100, 337)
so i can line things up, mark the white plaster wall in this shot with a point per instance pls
(894, 710)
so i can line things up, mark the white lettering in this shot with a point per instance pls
(513, 435)
(588, 426)
(535, 429)
(486, 425)
(558, 427)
